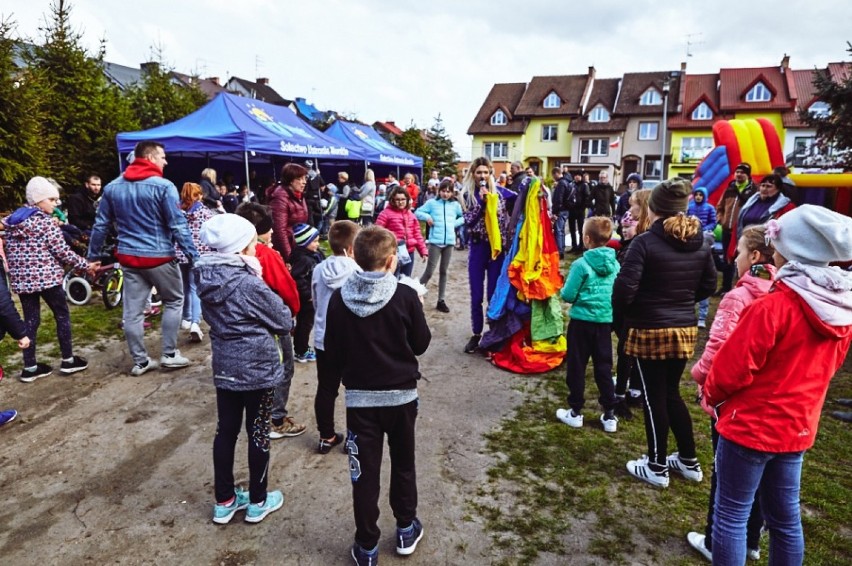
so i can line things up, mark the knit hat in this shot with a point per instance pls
(670, 197)
(304, 234)
(39, 189)
(744, 167)
(635, 177)
(812, 235)
(227, 233)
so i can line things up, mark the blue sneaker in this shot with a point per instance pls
(407, 539)
(258, 511)
(365, 557)
(7, 416)
(307, 357)
(222, 514)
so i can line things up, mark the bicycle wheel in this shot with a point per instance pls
(113, 286)
(78, 291)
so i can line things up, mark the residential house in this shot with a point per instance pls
(388, 130)
(692, 127)
(597, 133)
(259, 90)
(497, 131)
(209, 86)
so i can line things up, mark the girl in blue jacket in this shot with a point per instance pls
(443, 215)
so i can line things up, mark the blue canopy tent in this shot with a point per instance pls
(236, 128)
(377, 150)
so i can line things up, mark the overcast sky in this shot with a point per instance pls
(410, 61)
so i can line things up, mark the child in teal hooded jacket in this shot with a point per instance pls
(589, 289)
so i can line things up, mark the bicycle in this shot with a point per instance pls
(109, 279)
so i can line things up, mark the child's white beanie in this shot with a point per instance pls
(227, 233)
(812, 235)
(39, 189)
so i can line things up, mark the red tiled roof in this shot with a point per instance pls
(840, 71)
(735, 83)
(569, 88)
(389, 127)
(604, 92)
(634, 85)
(505, 97)
(582, 125)
(697, 89)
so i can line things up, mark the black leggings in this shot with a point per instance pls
(304, 325)
(257, 406)
(54, 297)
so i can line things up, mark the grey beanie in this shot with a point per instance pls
(812, 235)
(670, 197)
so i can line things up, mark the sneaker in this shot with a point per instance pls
(79, 363)
(472, 344)
(696, 541)
(689, 471)
(258, 511)
(702, 324)
(41, 370)
(442, 306)
(609, 422)
(185, 325)
(286, 429)
(174, 361)
(641, 469)
(325, 446)
(364, 557)
(7, 416)
(139, 369)
(153, 311)
(407, 538)
(753, 554)
(195, 334)
(222, 514)
(569, 417)
(307, 357)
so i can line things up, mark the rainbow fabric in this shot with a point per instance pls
(492, 225)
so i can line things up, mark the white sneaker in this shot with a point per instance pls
(174, 361)
(138, 370)
(702, 324)
(609, 425)
(753, 554)
(568, 417)
(642, 470)
(185, 325)
(195, 334)
(696, 541)
(691, 472)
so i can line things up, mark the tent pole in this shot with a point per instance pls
(248, 180)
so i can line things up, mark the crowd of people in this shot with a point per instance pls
(642, 260)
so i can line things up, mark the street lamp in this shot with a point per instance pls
(667, 83)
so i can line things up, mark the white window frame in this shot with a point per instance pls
(496, 150)
(594, 147)
(656, 168)
(702, 112)
(645, 129)
(695, 147)
(651, 97)
(549, 132)
(819, 109)
(499, 118)
(552, 100)
(599, 114)
(759, 93)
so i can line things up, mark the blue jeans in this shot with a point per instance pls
(703, 309)
(559, 230)
(740, 471)
(191, 302)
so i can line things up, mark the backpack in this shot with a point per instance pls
(571, 197)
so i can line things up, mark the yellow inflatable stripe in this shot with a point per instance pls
(761, 165)
(743, 141)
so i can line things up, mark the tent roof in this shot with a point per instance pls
(231, 123)
(373, 145)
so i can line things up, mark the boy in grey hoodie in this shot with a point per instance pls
(328, 276)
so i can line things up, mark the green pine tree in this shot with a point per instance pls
(442, 156)
(835, 129)
(412, 141)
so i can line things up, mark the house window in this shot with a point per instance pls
(552, 101)
(648, 130)
(498, 118)
(596, 147)
(549, 132)
(702, 112)
(496, 150)
(695, 149)
(653, 169)
(651, 97)
(599, 114)
(758, 93)
(819, 109)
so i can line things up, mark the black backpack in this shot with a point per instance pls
(571, 197)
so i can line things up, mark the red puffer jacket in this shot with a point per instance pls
(288, 209)
(405, 226)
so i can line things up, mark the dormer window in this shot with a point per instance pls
(599, 114)
(702, 112)
(552, 101)
(499, 118)
(651, 97)
(819, 109)
(758, 93)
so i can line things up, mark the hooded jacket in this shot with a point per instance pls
(728, 208)
(404, 226)
(589, 285)
(769, 380)
(328, 276)
(446, 216)
(36, 252)
(705, 212)
(288, 209)
(245, 317)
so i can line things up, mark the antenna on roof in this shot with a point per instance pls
(258, 63)
(690, 42)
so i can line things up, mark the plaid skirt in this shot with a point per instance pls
(661, 343)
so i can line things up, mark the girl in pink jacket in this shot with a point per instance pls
(756, 274)
(398, 218)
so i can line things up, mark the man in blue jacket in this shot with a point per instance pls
(145, 211)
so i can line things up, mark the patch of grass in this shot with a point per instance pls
(552, 484)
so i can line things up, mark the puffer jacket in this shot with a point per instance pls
(245, 316)
(404, 226)
(288, 209)
(446, 216)
(662, 278)
(36, 251)
(705, 212)
(781, 206)
(589, 285)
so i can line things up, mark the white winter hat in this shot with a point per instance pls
(39, 189)
(813, 235)
(227, 233)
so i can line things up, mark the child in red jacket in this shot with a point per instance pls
(277, 276)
